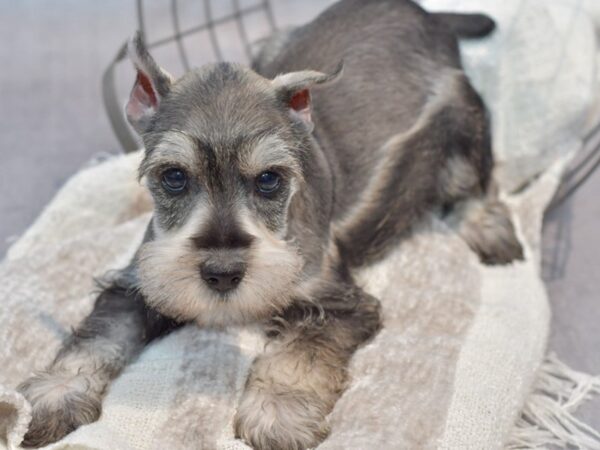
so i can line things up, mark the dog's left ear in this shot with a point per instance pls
(294, 88)
(152, 83)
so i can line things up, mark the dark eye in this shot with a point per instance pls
(267, 182)
(174, 180)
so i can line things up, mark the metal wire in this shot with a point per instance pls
(266, 4)
(140, 16)
(580, 172)
(182, 53)
(242, 28)
(210, 25)
(113, 104)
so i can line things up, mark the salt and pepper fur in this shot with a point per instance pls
(69, 393)
(399, 134)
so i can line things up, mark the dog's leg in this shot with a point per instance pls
(477, 214)
(294, 385)
(69, 393)
(485, 225)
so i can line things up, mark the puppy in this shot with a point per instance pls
(271, 188)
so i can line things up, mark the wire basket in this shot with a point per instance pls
(213, 15)
(195, 32)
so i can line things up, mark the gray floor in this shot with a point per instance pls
(572, 274)
(52, 122)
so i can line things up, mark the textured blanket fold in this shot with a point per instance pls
(459, 355)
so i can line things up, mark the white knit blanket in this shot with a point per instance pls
(462, 344)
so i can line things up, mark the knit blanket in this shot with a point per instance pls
(459, 363)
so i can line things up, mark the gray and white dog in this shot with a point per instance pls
(272, 187)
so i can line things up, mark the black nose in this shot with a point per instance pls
(221, 277)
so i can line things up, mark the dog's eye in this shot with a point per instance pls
(268, 182)
(174, 180)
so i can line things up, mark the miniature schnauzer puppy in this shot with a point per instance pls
(272, 187)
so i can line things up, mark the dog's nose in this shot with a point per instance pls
(222, 278)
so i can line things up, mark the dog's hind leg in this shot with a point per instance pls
(69, 393)
(477, 214)
(443, 161)
(485, 225)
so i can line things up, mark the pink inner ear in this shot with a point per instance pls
(144, 82)
(300, 100)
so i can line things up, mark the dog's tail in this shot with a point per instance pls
(467, 25)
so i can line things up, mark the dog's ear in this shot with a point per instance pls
(152, 83)
(294, 88)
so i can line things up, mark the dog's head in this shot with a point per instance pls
(226, 153)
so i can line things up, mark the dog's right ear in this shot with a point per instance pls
(294, 89)
(152, 83)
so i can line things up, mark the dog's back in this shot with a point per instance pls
(402, 129)
(393, 53)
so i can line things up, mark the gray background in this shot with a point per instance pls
(52, 122)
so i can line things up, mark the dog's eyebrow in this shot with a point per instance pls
(235, 140)
(175, 147)
(269, 150)
(262, 133)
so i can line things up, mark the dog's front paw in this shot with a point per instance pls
(279, 418)
(60, 404)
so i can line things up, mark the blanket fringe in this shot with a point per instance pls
(547, 417)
